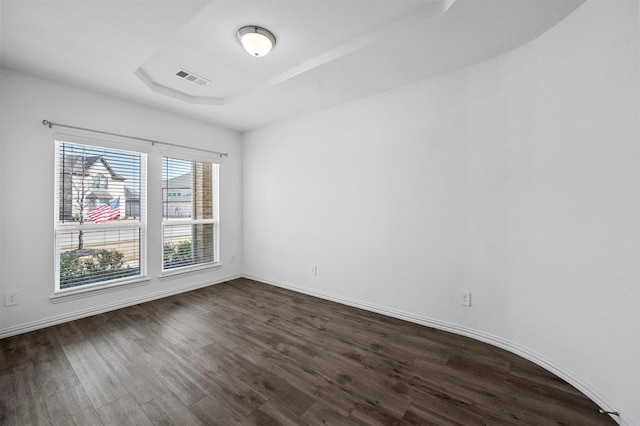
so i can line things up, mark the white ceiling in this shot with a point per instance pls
(328, 51)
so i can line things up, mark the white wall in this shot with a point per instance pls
(26, 173)
(1, 203)
(516, 179)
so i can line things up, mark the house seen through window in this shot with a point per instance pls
(189, 213)
(100, 224)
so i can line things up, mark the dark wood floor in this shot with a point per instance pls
(248, 353)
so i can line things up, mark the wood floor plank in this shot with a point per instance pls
(55, 375)
(167, 409)
(370, 393)
(14, 354)
(370, 415)
(420, 415)
(357, 366)
(21, 399)
(244, 352)
(224, 386)
(213, 411)
(393, 347)
(121, 355)
(99, 381)
(72, 407)
(439, 407)
(274, 414)
(321, 415)
(53, 370)
(267, 383)
(183, 383)
(492, 398)
(68, 333)
(302, 376)
(192, 331)
(123, 412)
(31, 411)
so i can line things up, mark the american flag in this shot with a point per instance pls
(105, 213)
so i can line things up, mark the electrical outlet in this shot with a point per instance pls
(314, 270)
(10, 298)
(464, 297)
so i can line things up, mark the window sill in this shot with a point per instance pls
(72, 294)
(175, 273)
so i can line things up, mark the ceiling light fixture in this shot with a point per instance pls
(257, 41)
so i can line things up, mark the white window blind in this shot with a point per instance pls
(189, 213)
(100, 215)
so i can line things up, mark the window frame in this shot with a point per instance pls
(101, 180)
(60, 228)
(190, 156)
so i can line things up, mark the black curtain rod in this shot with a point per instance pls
(153, 142)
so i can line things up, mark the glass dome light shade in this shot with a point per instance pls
(255, 40)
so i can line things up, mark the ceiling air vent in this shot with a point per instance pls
(192, 77)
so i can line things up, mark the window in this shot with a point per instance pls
(189, 213)
(100, 181)
(97, 202)
(97, 241)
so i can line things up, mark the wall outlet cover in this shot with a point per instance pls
(464, 297)
(10, 298)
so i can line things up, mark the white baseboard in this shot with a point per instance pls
(507, 345)
(59, 319)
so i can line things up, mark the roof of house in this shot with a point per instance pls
(79, 164)
(181, 181)
(131, 194)
(99, 194)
